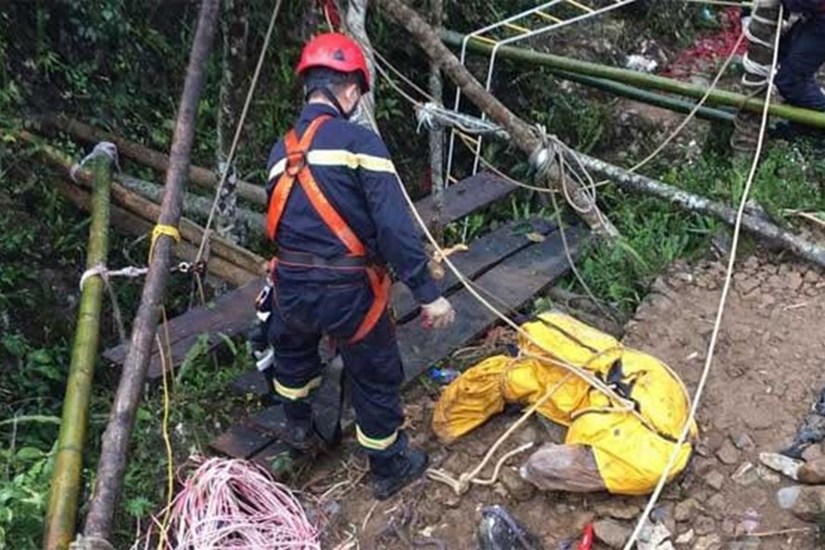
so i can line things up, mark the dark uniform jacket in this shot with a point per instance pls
(352, 167)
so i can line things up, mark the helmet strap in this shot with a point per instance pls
(331, 98)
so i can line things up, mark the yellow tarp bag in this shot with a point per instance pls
(630, 453)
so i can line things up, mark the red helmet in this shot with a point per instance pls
(337, 52)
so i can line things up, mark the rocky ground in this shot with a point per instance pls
(766, 376)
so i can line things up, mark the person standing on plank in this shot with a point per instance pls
(339, 219)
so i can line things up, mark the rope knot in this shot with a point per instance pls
(105, 149)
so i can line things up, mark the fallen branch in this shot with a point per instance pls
(115, 445)
(193, 205)
(61, 516)
(523, 135)
(132, 224)
(140, 153)
(695, 203)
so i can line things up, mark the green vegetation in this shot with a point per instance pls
(120, 65)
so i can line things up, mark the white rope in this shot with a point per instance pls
(104, 273)
(431, 114)
(721, 309)
(104, 148)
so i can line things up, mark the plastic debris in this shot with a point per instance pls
(500, 531)
(641, 63)
(443, 375)
(587, 539)
(749, 523)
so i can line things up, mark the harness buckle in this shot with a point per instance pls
(295, 162)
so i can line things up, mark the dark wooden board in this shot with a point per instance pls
(242, 440)
(514, 281)
(232, 313)
(229, 314)
(484, 253)
(467, 196)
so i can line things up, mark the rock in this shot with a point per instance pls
(745, 283)
(804, 501)
(717, 502)
(704, 525)
(781, 463)
(528, 434)
(517, 488)
(708, 542)
(767, 475)
(745, 475)
(611, 532)
(743, 441)
(793, 280)
(617, 509)
(812, 453)
(727, 453)
(812, 472)
(715, 480)
(685, 510)
(748, 543)
(654, 536)
(685, 537)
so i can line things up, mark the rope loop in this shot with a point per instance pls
(105, 149)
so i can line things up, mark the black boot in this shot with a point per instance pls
(393, 473)
(298, 431)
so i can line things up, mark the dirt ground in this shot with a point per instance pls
(767, 373)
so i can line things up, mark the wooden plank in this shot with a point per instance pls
(229, 314)
(467, 196)
(484, 253)
(242, 441)
(232, 313)
(513, 281)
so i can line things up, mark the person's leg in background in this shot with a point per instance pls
(375, 374)
(802, 55)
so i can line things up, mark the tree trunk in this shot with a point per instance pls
(61, 516)
(642, 80)
(132, 224)
(436, 136)
(356, 23)
(141, 154)
(116, 438)
(148, 210)
(235, 32)
(523, 135)
(694, 203)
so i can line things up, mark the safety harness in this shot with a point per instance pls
(297, 169)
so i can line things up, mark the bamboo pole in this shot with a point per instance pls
(66, 479)
(643, 80)
(670, 103)
(140, 153)
(133, 224)
(115, 445)
(523, 135)
(146, 209)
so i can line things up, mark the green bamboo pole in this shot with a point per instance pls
(642, 80)
(675, 104)
(66, 480)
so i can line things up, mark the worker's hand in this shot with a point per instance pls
(438, 314)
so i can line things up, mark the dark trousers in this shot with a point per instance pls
(801, 54)
(303, 312)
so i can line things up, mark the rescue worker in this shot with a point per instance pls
(802, 54)
(339, 220)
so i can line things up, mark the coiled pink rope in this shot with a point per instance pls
(236, 504)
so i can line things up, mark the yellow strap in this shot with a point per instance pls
(375, 443)
(162, 229)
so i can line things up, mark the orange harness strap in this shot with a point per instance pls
(297, 168)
